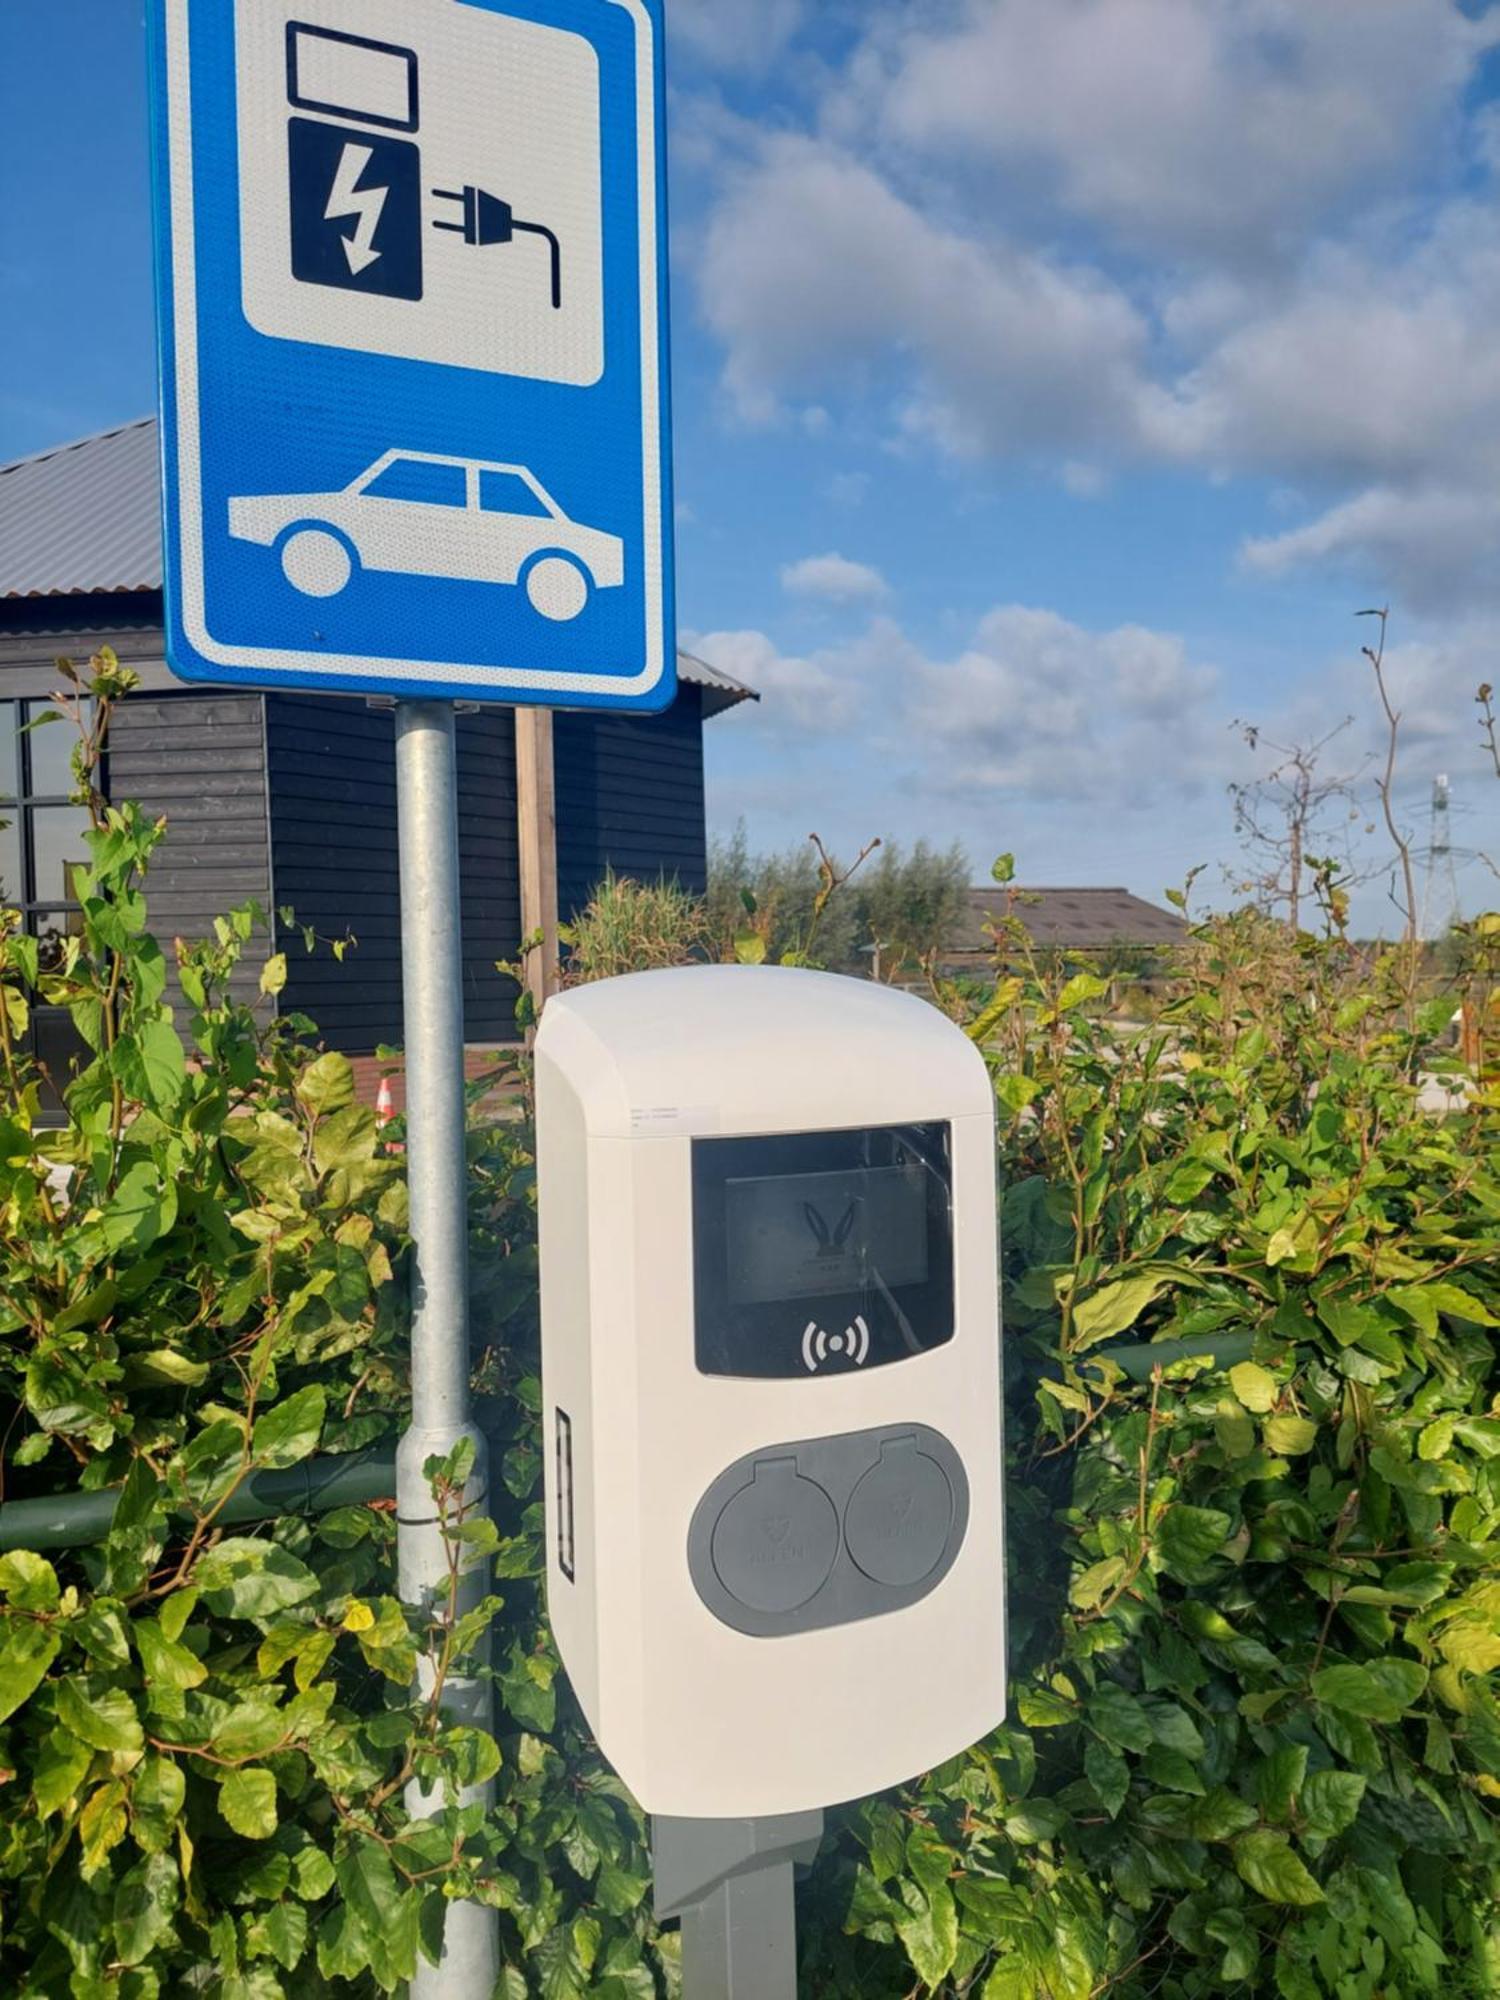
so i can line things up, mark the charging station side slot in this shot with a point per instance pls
(565, 1549)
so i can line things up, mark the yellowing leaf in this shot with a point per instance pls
(1081, 987)
(1096, 1582)
(358, 1618)
(1255, 1386)
(1289, 1437)
(247, 1799)
(1436, 1439)
(1112, 1309)
(273, 973)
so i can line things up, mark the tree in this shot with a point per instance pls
(910, 906)
(1293, 822)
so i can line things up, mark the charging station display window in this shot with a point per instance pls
(815, 1252)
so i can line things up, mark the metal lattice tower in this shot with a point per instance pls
(1440, 907)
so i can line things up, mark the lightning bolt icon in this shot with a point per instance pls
(348, 198)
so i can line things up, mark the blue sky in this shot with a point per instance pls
(1054, 380)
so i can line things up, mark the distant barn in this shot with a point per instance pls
(1108, 923)
(290, 799)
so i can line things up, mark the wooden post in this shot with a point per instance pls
(536, 816)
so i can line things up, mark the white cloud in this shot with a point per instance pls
(1038, 705)
(1097, 755)
(815, 270)
(821, 693)
(1281, 271)
(1437, 548)
(835, 579)
(1034, 704)
(1204, 127)
(736, 34)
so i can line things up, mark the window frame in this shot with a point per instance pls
(18, 809)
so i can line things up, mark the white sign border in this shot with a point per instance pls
(189, 511)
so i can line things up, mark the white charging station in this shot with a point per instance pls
(771, 1368)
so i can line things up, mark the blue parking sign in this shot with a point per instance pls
(412, 312)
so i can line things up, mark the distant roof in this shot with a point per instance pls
(1070, 919)
(85, 519)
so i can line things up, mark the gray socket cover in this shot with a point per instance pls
(829, 1530)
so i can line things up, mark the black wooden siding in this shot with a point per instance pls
(290, 800)
(335, 863)
(198, 760)
(630, 797)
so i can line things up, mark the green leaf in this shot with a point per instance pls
(247, 1799)
(314, 1873)
(1189, 1538)
(1109, 1775)
(145, 1903)
(164, 1366)
(212, 1461)
(102, 1824)
(1255, 1386)
(1113, 1308)
(139, 1211)
(1265, 1860)
(327, 1084)
(280, 1933)
(1289, 1437)
(1096, 1582)
(1380, 1691)
(289, 1431)
(166, 1663)
(1082, 987)
(157, 1792)
(102, 1716)
(1459, 1304)
(1119, 1718)
(1279, 1780)
(1173, 1771)
(1003, 868)
(1436, 1439)
(1330, 1802)
(246, 1578)
(28, 1582)
(61, 1766)
(930, 1933)
(163, 1063)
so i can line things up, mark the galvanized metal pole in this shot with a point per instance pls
(432, 997)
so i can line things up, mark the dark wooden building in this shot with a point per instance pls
(289, 799)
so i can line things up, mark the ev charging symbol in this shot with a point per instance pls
(356, 192)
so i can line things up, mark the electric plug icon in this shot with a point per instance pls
(487, 219)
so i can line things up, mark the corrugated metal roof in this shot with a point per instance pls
(720, 690)
(85, 518)
(1069, 919)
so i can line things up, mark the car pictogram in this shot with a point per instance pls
(423, 514)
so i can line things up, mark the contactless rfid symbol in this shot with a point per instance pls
(818, 1344)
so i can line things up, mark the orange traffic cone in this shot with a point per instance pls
(385, 1111)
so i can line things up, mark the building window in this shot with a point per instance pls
(42, 844)
(44, 840)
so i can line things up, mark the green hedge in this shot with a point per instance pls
(1254, 1734)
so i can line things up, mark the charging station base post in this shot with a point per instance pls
(437, 1176)
(731, 1883)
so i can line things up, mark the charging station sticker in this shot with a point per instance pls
(672, 1121)
(473, 238)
